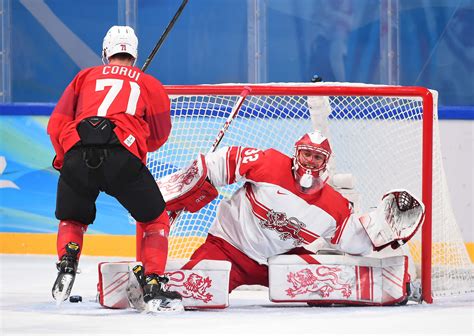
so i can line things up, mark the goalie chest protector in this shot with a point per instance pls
(327, 279)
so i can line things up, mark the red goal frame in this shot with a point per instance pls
(353, 90)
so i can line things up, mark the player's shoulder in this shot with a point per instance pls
(86, 74)
(333, 193)
(333, 198)
(151, 84)
(256, 156)
(272, 162)
(275, 155)
(149, 79)
(88, 71)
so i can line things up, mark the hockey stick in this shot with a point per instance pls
(164, 35)
(235, 110)
(233, 113)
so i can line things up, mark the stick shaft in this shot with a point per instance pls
(235, 110)
(164, 35)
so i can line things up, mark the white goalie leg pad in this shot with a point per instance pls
(204, 284)
(327, 279)
(114, 281)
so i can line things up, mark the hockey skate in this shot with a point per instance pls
(67, 268)
(155, 296)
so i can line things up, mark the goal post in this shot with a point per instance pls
(385, 136)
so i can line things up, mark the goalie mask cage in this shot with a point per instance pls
(385, 136)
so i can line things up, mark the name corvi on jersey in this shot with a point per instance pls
(121, 70)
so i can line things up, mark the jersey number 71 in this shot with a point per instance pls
(115, 87)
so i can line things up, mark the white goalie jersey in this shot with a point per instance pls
(269, 215)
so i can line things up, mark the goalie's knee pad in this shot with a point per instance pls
(332, 279)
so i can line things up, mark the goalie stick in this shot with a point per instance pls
(164, 35)
(235, 110)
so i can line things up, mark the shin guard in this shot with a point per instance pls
(69, 231)
(154, 244)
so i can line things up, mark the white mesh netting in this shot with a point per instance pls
(378, 139)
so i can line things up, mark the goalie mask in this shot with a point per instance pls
(312, 152)
(119, 39)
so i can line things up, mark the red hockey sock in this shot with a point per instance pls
(154, 244)
(69, 231)
(138, 241)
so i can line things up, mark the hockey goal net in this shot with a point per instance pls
(385, 136)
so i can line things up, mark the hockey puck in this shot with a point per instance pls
(75, 298)
(316, 79)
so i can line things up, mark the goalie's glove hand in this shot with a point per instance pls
(395, 221)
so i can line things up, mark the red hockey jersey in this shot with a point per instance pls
(269, 215)
(136, 102)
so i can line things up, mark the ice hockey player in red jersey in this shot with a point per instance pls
(283, 207)
(102, 127)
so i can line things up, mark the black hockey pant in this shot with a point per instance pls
(112, 169)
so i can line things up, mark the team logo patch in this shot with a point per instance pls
(129, 140)
(193, 286)
(177, 182)
(324, 281)
(288, 228)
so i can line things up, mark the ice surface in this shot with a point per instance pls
(27, 308)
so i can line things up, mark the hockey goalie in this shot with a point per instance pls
(271, 227)
(270, 230)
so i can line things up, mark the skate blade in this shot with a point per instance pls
(62, 295)
(156, 307)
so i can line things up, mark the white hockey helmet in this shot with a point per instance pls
(119, 39)
(311, 179)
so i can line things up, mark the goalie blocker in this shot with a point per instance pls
(188, 189)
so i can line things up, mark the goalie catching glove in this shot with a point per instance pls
(395, 221)
(188, 189)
